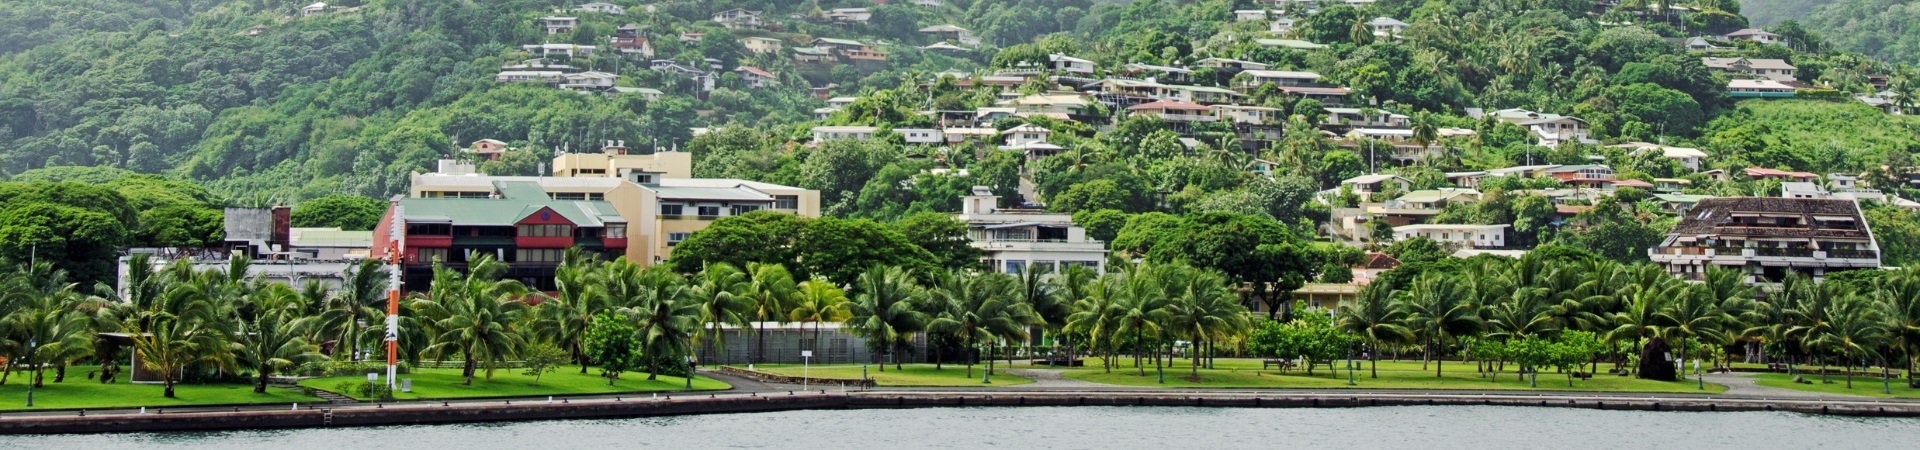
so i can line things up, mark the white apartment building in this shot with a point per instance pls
(1017, 240)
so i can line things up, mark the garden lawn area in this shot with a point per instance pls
(567, 380)
(1862, 386)
(909, 375)
(1246, 373)
(78, 392)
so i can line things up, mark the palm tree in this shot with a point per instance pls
(716, 289)
(818, 301)
(1205, 310)
(47, 317)
(983, 309)
(667, 318)
(1043, 297)
(1641, 302)
(270, 338)
(564, 318)
(1810, 313)
(1373, 317)
(477, 316)
(883, 311)
(1071, 287)
(1439, 308)
(1694, 315)
(357, 301)
(1855, 332)
(1095, 313)
(1900, 293)
(1142, 310)
(1425, 129)
(769, 290)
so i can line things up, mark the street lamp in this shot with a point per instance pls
(689, 363)
(33, 344)
(1349, 358)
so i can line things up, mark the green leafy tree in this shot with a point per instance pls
(348, 212)
(613, 344)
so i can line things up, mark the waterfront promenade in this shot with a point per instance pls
(1047, 390)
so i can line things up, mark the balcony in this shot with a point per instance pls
(1853, 254)
(1784, 252)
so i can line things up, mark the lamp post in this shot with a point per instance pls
(689, 362)
(1699, 380)
(1349, 358)
(33, 344)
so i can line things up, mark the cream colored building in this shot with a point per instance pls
(614, 159)
(760, 45)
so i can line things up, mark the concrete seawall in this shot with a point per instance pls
(422, 413)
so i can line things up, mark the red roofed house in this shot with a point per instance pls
(489, 149)
(1377, 263)
(756, 78)
(1175, 111)
(1762, 173)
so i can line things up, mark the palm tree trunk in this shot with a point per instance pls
(260, 386)
(1138, 341)
(167, 381)
(760, 342)
(466, 370)
(1438, 365)
(60, 372)
(1373, 358)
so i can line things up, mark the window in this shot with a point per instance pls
(743, 209)
(675, 238)
(643, 178)
(709, 211)
(546, 231)
(596, 196)
(568, 196)
(429, 229)
(538, 255)
(616, 231)
(671, 210)
(430, 255)
(786, 202)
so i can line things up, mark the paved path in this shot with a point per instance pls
(1051, 379)
(1742, 385)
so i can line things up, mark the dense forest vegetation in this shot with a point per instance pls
(162, 112)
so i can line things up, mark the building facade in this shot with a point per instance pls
(1018, 240)
(1765, 238)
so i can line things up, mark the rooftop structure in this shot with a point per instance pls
(1766, 237)
(1018, 240)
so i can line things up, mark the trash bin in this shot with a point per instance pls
(406, 385)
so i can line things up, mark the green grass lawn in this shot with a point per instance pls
(447, 384)
(910, 375)
(1246, 373)
(78, 392)
(1862, 386)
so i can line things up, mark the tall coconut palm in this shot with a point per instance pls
(1641, 303)
(1691, 317)
(564, 318)
(1205, 310)
(667, 319)
(1810, 314)
(818, 301)
(1373, 317)
(1071, 287)
(270, 338)
(1142, 311)
(1439, 308)
(1855, 332)
(1044, 298)
(1900, 293)
(1095, 314)
(717, 290)
(883, 310)
(769, 291)
(357, 301)
(477, 315)
(48, 320)
(983, 309)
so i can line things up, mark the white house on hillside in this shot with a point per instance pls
(1019, 240)
(601, 7)
(1463, 235)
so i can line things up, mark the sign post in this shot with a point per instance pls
(806, 361)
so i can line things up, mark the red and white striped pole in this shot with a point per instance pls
(397, 235)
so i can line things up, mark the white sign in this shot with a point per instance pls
(806, 353)
(373, 377)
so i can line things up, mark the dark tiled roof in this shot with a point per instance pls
(1381, 261)
(1714, 216)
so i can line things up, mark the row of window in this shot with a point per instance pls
(706, 211)
(546, 231)
(578, 196)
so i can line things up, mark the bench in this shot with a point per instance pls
(1283, 364)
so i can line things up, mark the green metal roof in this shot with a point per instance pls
(521, 199)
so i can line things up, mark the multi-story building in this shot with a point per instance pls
(611, 204)
(1017, 240)
(557, 24)
(629, 41)
(1461, 235)
(1766, 237)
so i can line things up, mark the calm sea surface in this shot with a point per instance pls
(1422, 427)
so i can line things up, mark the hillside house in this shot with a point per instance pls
(558, 24)
(1017, 241)
(602, 8)
(1690, 158)
(951, 33)
(1766, 238)
(1386, 27)
(1761, 68)
(1231, 65)
(313, 9)
(588, 81)
(1258, 77)
(1585, 175)
(738, 19)
(848, 15)
(827, 133)
(755, 78)
(1759, 89)
(1459, 235)
(553, 50)
(1253, 15)
(1175, 111)
(1280, 26)
(761, 45)
(1762, 173)
(530, 76)
(1069, 65)
(629, 41)
(1365, 186)
(1295, 44)
(1550, 129)
(1247, 115)
(1358, 117)
(1756, 35)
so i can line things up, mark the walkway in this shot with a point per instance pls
(1051, 379)
(1742, 385)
